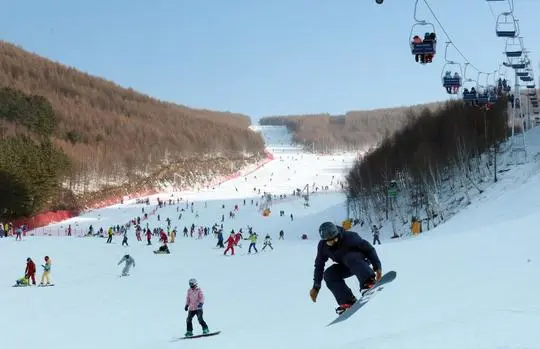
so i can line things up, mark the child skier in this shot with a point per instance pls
(194, 305)
(252, 242)
(125, 239)
(130, 262)
(376, 234)
(22, 282)
(267, 242)
(46, 271)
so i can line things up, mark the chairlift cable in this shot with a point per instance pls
(449, 39)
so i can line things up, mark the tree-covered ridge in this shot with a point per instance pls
(109, 130)
(353, 131)
(436, 152)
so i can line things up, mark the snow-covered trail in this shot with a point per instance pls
(470, 283)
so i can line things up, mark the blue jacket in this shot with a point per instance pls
(349, 242)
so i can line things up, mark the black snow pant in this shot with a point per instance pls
(220, 244)
(254, 247)
(376, 239)
(353, 263)
(191, 315)
(109, 240)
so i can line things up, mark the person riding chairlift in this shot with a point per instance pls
(432, 39)
(417, 41)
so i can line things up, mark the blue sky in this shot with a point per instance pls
(263, 57)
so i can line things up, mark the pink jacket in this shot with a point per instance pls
(194, 297)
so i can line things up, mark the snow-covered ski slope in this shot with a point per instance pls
(471, 283)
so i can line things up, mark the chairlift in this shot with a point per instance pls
(427, 45)
(469, 96)
(482, 98)
(514, 47)
(451, 82)
(469, 93)
(507, 25)
(519, 65)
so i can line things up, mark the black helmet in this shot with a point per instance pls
(328, 230)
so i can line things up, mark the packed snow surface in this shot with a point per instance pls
(473, 282)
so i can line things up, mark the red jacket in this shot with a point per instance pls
(30, 268)
(163, 236)
(231, 241)
(237, 238)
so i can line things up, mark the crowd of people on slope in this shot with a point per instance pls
(167, 234)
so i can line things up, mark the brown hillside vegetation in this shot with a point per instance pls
(352, 131)
(110, 131)
(436, 156)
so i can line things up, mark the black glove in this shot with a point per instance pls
(186, 307)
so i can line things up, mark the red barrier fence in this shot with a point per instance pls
(46, 218)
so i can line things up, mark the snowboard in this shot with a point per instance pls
(366, 297)
(45, 285)
(197, 336)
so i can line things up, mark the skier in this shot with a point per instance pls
(148, 237)
(30, 271)
(22, 282)
(231, 241)
(194, 305)
(267, 242)
(376, 233)
(352, 255)
(220, 239)
(163, 249)
(46, 271)
(130, 262)
(125, 239)
(238, 238)
(252, 242)
(110, 234)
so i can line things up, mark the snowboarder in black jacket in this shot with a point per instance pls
(353, 256)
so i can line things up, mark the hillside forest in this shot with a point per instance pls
(67, 138)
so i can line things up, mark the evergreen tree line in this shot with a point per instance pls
(31, 166)
(453, 146)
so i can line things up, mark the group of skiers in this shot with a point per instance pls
(353, 256)
(235, 238)
(30, 273)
